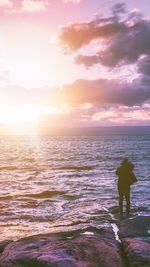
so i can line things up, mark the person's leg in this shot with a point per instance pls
(121, 202)
(127, 197)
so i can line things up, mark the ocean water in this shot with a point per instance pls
(52, 184)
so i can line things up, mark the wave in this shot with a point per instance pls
(78, 168)
(71, 197)
(9, 168)
(7, 197)
(44, 194)
(107, 158)
(48, 194)
(30, 160)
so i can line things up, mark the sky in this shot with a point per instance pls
(74, 63)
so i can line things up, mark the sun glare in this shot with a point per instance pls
(20, 120)
(26, 119)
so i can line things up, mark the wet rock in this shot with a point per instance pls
(134, 227)
(3, 244)
(132, 232)
(62, 250)
(137, 252)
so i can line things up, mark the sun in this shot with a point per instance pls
(26, 119)
(20, 120)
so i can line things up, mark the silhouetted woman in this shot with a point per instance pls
(126, 177)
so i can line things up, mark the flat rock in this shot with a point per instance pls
(134, 227)
(60, 250)
(137, 252)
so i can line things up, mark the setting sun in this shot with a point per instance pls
(21, 119)
(26, 119)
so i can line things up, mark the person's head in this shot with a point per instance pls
(124, 161)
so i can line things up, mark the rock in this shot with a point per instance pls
(137, 252)
(3, 244)
(62, 250)
(134, 227)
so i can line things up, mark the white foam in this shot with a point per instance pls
(88, 233)
(116, 230)
(113, 225)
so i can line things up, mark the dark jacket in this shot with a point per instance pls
(125, 176)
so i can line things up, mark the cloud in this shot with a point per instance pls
(34, 5)
(6, 4)
(144, 65)
(104, 92)
(72, 1)
(119, 8)
(122, 116)
(104, 102)
(87, 61)
(123, 38)
(82, 103)
(88, 115)
(4, 77)
(78, 34)
(19, 96)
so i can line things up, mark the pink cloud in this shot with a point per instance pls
(82, 116)
(5, 4)
(122, 39)
(34, 6)
(103, 92)
(80, 33)
(123, 115)
(72, 1)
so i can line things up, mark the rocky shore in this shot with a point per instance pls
(90, 247)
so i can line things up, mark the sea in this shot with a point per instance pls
(64, 183)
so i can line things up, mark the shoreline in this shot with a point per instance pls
(88, 247)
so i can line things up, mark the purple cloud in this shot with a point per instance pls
(105, 92)
(123, 38)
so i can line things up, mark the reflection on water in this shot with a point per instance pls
(65, 183)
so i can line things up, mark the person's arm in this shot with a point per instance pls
(131, 166)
